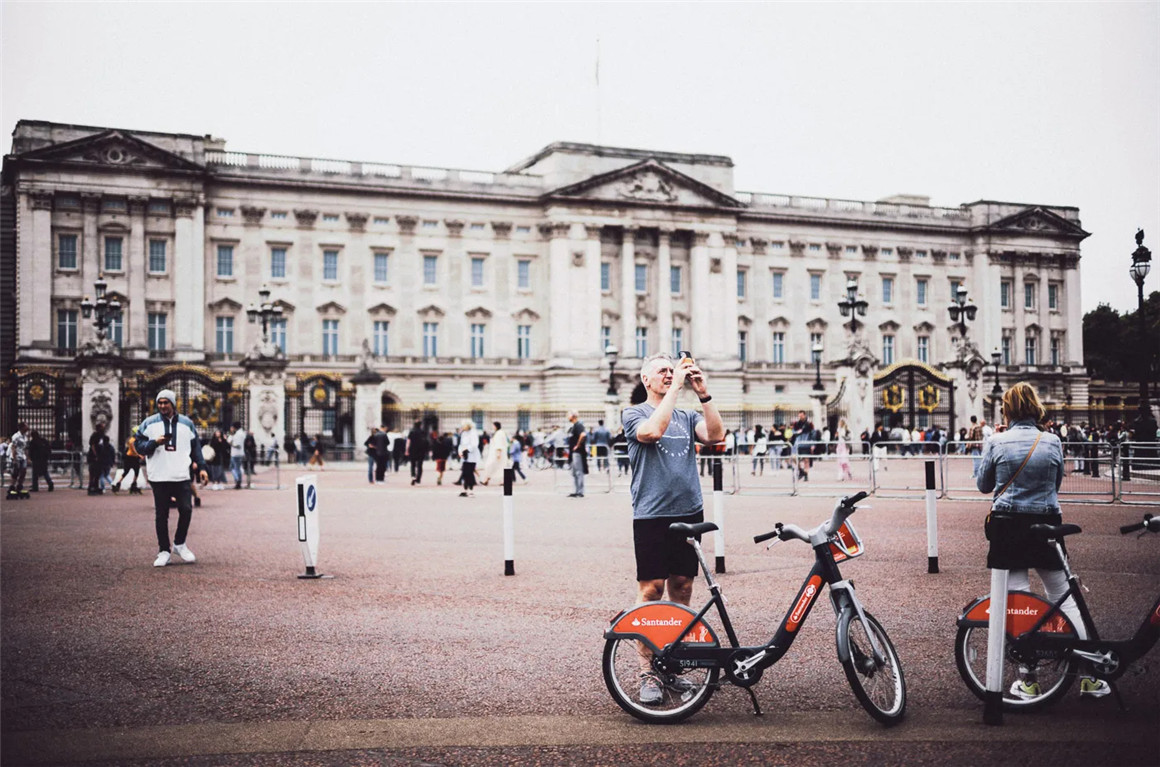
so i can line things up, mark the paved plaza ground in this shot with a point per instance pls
(420, 651)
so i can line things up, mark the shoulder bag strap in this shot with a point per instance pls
(1025, 460)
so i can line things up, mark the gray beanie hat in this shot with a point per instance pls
(166, 394)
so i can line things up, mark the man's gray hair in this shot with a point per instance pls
(649, 360)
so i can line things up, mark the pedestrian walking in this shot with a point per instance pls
(516, 453)
(441, 449)
(497, 455)
(237, 453)
(316, 453)
(416, 450)
(18, 462)
(469, 452)
(171, 447)
(39, 452)
(382, 443)
(842, 451)
(578, 453)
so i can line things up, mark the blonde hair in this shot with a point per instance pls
(1021, 403)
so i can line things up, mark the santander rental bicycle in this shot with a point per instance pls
(682, 650)
(1043, 648)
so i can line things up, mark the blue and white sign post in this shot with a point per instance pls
(308, 523)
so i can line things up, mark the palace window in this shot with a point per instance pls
(113, 254)
(157, 256)
(524, 342)
(920, 292)
(225, 261)
(642, 342)
(157, 332)
(641, 278)
(1053, 296)
(330, 265)
(430, 339)
(66, 252)
(278, 333)
(779, 285)
(887, 290)
(117, 329)
(778, 354)
(1029, 296)
(742, 345)
(380, 343)
(888, 349)
(675, 280)
(476, 272)
(477, 331)
(815, 287)
(1057, 348)
(277, 263)
(605, 277)
(430, 265)
(66, 329)
(741, 280)
(678, 341)
(224, 335)
(1029, 350)
(382, 262)
(923, 349)
(524, 274)
(1005, 294)
(330, 337)
(605, 337)
(1005, 349)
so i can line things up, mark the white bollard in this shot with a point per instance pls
(509, 533)
(931, 521)
(308, 523)
(718, 514)
(996, 648)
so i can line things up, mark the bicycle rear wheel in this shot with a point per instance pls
(1053, 675)
(682, 695)
(880, 688)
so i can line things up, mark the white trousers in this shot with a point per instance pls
(1054, 584)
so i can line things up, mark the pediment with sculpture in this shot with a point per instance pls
(649, 182)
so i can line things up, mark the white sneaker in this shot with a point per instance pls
(1090, 687)
(162, 559)
(183, 551)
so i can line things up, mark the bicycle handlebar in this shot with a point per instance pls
(1152, 524)
(764, 537)
(843, 509)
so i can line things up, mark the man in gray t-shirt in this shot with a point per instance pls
(665, 486)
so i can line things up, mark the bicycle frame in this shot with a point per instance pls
(757, 658)
(1109, 658)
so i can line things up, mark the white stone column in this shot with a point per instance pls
(100, 401)
(559, 294)
(628, 293)
(368, 399)
(699, 294)
(186, 274)
(198, 289)
(1073, 348)
(592, 259)
(729, 308)
(34, 281)
(664, 291)
(135, 266)
(1020, 321)
(266, 386)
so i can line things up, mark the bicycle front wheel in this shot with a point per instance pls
(1052, 676)
(879, 687)
(682, 695)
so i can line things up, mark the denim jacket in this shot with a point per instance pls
(1034, 490)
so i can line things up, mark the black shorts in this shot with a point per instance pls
(660, 552)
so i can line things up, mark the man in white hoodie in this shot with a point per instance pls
(170, 446)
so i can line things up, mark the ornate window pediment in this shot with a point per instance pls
(1037, 220)
(779, 323)
(431, 312)
(112, 148)
(924, 327)
(526, 316)
(744, 321)
(890, 326)
(382, 310)
(223, 305)
(681, 318)
(479, 313)
(331, 307)
(607, 315)
(817, 325)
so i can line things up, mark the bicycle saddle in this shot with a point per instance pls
(1048, 532)
(686, 530)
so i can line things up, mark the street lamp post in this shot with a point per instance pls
(1141, 265)
(265, 311)
(853, 306)
(105, 310)
(818, 368)
(611, 353)
(996, 390)
(961, 311)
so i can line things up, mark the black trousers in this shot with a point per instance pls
(381, 463)
(417, 469)
(180, 492)
(38, 471)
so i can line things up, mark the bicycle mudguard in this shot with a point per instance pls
(1024, 610)
(658, 624)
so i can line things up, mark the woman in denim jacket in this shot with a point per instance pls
(1023, 498)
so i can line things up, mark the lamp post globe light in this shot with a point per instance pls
(1141, 265)
(103, 311)
(265, 311)
(961, 311)
(818, 367)
(853, 306)
(996, 390)
(611, 353)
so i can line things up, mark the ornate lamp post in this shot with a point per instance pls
(854, 306)
(818, 368)
(611, 353)
(996, 390)
(961, 311)
(265, 311)
(1141, 265)
(105, 312)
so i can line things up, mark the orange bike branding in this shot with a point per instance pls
(661, 623)
(848, 538)
(1155, 621)
(1023, 612)
(803, 603)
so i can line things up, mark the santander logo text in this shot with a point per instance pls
(657, 622)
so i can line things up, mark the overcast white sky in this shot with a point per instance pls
(1049, 103)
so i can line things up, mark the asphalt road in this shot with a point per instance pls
(420, 651)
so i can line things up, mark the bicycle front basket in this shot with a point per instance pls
(845, 544)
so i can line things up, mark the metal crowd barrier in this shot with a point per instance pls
(1140, 475)
(899, 468)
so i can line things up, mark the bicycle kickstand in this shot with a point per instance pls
(757, 708)
(1119, 698)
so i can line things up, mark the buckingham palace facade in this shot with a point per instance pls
(397, 292)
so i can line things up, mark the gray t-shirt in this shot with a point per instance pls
(664, 473)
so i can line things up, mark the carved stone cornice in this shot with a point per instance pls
(969, 256)
(592, 231)
(407, 224)
(253, 215)
(138, 204)
(759, 245)
(502, 229)
(904, 253)
(454, 227)
(357, 221)
(870, 252)
(184, 207)
(700, 239)
(40, 199)
(938, 256)
(306, 218)
(555, 229)
(835, 249)
(733, 241)
(797, 248)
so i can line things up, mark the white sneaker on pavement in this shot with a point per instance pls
(183, 551)
(162, 559)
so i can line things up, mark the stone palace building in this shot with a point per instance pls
(399, 292)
